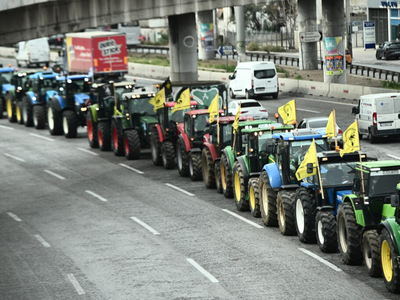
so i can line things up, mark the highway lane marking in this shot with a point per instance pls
(15, 217)
(145, 225)
(14, 157)
(326, 101)
(42, 241)
(325, 262)
(179, 189)
(97, 196)
(42, 137)
(54, 174)
(202, 270)
(132, 169)
(6, 127)
(88, 151)
(76, 284)
(243, 219)
(392, 156)
(313, 111)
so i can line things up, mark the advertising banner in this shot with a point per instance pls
(110, 54)
(334, 60)
(79, 52)
(369, 35)
(207, 37)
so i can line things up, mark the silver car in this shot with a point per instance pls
(249, 107)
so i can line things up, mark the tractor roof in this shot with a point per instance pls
(198, 112)
(231, 119)
(73, 77)
(255, 123)
(135, 95)
(299, 134)
(268, 127)
(328, 156)
(377, 165)
(45, 75)
(173, 103)
(7, 70)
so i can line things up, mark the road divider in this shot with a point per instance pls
(153, 231)
(345, 91)
(313, 88)
(287, 85)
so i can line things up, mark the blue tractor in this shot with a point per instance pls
(278, 182)
(6, 75)
(68, 108)
(43, 86)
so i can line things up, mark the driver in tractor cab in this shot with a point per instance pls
(334, 176)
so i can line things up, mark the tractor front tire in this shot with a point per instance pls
(132, 144)
(168, 155)
(372, 257)
(54, 120)
(155, 145)
(117, 142)
(91, 127)
(217, 172)
(27, 111)
(349, 235)
(267, 201)
(195, 166)
(182, 158)
(18, 112)
(254, 197)
(70, 124)
(304, 208)
(39, 116)
(104, 134)
(208, 168)
(239, 188)
(226, 177)
(10, 108)
(325, 227)
(390, 263)
(285, 213)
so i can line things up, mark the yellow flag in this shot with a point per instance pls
(214, 108)
(351, 142)
(236, 122)
(310, 157)
(183, 101)
(158, 100)
(331, 125)
(288, 112)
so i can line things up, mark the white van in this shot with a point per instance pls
(254, 79)
(33, 52)
(378, 115)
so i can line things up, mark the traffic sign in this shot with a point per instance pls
(310, 36)
(226, 50)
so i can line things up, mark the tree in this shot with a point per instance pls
(254, 15)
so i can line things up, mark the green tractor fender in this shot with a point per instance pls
(228, 151)
(93, 108)
(353, 200)
(394, 230)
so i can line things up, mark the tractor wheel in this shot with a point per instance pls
(267, 201)
(2, 105)
(182, 158)
(132, 144)
(349, 235)
(226, 177)
(39, 116)
(54, 120)
(117, 142)
(372, 139)
(217, 172)
(372, 257)
(231, 94)
(10, 108)
(285, 213)
(390, 263)
(168, 155)
(304, 209)
(104, 134)
(70, 124)
(18, 112)
(254, 197)
(239, 188)
(155, 145)
(91, 126)
(27, 111)
(195, 166)
(207, 168)
(325, 226)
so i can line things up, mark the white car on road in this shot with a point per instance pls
(249, 108)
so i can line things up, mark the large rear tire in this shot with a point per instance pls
(54, 120)
(267, 201)
(132, 144)
(239, 188)
(39, 116)
(372, 256)
(18, 113)
(155, 145)
(304, 209)
(208, 168)
(195, 166)
(117, 143)
(168, 154)
(104, 134)
(254, 197)
(349, 235)
(27, 111)
(390, 263)
(10, 108)
(91, 127)
(325, 227)
(182, 158)
(70, 124)
(217, 172)
(286, 220)
(226, 177)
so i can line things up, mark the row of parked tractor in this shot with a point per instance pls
(351, 206)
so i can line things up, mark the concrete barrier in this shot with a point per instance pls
(219, 76)
(204, 75)
(373, 90)
(287, 85)
(313, 88)
(344, 91)
(7, 52)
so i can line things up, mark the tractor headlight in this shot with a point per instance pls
(83, 108)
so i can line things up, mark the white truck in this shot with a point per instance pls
(33, 52)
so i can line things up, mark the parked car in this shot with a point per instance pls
(249, 108)
(319, 124)
(388, 50)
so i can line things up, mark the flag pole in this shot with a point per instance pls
(359, 155)
(295, 113)
(334, 127)
(319, 173)
(218, 118)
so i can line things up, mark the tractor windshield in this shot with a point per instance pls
(142, 106)
(78, 86)
(200, 125)
(5, 77)
(298, 149)
(383, 182)
(337, 174)
(178, 115)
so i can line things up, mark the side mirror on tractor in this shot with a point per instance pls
(394, 200)
(354, 110)
(268, 147)
(310, 168)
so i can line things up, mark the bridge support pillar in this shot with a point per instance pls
(307, 22)
(240, 33)
(205, 21)
(183, 47)
(333, 28)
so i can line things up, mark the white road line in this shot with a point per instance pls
(325, 262)
(243, 219)
(132, 169)
(97, 196)
(76, 284)
(88, 151)
(145, 225)
(202, 270)
(14, 157)
(313, 111)
(15, 217)
(179, 189)
(54, 174)
(42, 137)
(41, 240)
(6, 127)
(395, 157)
(326, 101)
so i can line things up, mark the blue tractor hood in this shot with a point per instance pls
(81, 98)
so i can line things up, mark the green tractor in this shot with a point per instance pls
(361, 212)
(247, 166)
(14, 96)
(389, 231)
